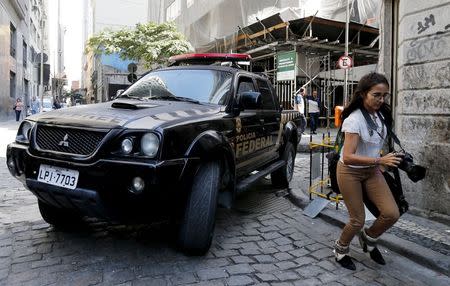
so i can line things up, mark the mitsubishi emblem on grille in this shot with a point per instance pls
(64, 142)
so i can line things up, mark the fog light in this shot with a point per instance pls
(137, 185)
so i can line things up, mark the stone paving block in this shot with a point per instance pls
(367, 275)
(328, 277)
(209, 283)
(250, 251)
(282, 241)
(305, 260)
(309, 271)
(271, 228)
(242, 259)
(299, 252)
(286, 265)
(286, 247)
(269, 250)
(213, 273)
(282, 284)
(329, 265)
(265, 244)
(231, 246)
(265, 258)
(28, 258)
(249, 245)
(225, 253)
(266, 277)
(21, 277)
(152, 269)
(287, 275)
(148, 281)
(387, 280)
(44, 248)
(282, 256)
(314, 246)
(351, 281)
(251, 238)
(271, 235)
(322, 253)
(240, 269)
(20, 267)
(183, 279)
(303, 242)
(239, 280)
(250, 232)
(118, 276)
(265, 268)
(308, 282)
(6, 251)
(274, 221)
(288, 231)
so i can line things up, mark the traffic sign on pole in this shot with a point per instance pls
(345, 62)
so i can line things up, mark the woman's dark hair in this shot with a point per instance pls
(364, 85)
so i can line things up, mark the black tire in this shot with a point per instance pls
(59, 218)
(197, 226)
(282, 176)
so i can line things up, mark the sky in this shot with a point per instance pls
(71, 20)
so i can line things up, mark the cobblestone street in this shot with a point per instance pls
(264, 240)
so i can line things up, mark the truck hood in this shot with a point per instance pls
(126, 113)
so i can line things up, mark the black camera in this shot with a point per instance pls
(414, 172)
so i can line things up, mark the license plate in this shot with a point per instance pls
(56, 176)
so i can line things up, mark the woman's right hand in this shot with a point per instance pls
(392, 159)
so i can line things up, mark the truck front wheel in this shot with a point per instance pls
(197, 226)
(282, 176)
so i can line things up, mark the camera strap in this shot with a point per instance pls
(373, 126)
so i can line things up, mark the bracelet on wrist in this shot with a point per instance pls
(377, 161)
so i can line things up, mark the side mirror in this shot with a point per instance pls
(250, 100)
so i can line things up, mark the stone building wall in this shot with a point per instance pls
(423, 98)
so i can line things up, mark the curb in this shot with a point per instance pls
(417, 253)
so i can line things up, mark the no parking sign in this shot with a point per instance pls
(345, 62)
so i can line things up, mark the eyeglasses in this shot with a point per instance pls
(379, 95)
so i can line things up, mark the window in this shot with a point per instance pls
(12, 84)
(12, 45)
(25, 54)
(173, 11)
(266, 95)
(26, 92)
(245, 84)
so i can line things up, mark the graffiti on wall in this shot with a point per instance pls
(430, 46)
(424, 25)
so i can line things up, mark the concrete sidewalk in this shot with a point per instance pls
(415, 236)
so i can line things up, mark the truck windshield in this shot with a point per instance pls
(204, 86)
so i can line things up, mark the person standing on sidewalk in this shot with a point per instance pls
(359, 169)
(35, 105)
(313, 111)
(18, 107)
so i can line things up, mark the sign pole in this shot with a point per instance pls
(347, 20)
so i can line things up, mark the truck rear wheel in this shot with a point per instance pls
(282, 176)
(197, 226)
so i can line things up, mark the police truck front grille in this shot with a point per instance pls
(68, 140)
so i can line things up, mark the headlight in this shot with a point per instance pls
(127, 146)
(24, 132)
(149, 144)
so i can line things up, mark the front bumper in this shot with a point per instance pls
(103, 188)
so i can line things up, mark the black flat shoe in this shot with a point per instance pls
(376, 256)
(346, 262)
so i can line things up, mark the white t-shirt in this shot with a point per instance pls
(368, 145)
(313, 106)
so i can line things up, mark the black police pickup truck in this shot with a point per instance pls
(175, 144)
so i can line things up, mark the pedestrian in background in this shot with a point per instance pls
(18, 107)
(359, 168)
(299, 103)
(313, 111)
(35, 105)
(56, 103)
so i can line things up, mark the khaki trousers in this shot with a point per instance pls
(352, 182)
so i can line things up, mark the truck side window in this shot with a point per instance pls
(266, 95)
(245, 84)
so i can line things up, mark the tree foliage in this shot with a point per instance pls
(148, 43)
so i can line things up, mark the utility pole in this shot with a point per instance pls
(41, 79)
(347, 21)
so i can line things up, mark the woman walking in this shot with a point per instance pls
(18, 106)
(359, 168)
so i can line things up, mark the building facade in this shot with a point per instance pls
(420, 75)
(23, 35)
(101, 76)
